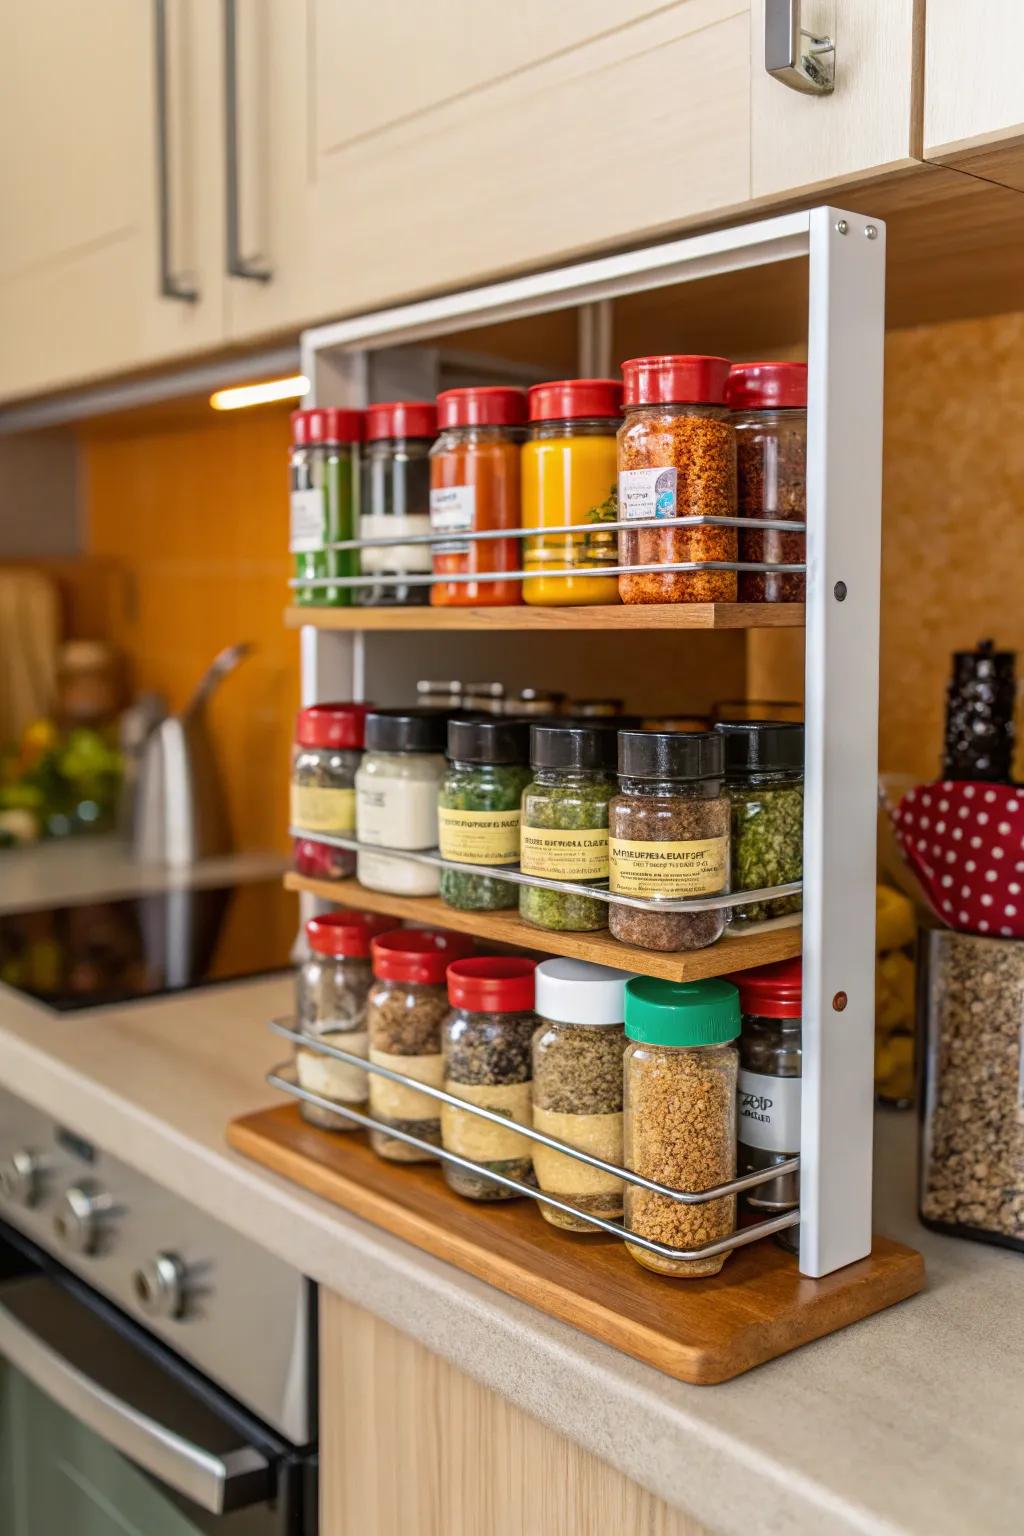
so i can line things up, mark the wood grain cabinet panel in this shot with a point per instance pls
(974, 88)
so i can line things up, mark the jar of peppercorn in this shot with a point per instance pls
(769, 405)
(328, 750)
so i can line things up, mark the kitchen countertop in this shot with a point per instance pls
(907, 1424)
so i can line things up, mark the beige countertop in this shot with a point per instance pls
(908, 1424)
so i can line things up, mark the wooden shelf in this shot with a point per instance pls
(600, 616)
(731, 953)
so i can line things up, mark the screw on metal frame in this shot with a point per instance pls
(842, 227)
(840, 591)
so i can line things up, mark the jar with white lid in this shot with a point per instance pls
(396, 799)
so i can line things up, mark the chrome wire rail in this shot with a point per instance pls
(581, 530)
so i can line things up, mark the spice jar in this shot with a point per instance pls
(598, 709)
(668, 837)
(569, 476)
(769, 405)
(764, 781)
(535, 703)
(680, 1115)
(768, 1102)
(331, 991)
(474, 486)
(486, 1045)
(407, 1005)
(396, 799)
(328, 751)
(565, 824)
(484, 698)
(322, 471)
(577, 1085)
(395, 501)
(478, 810)
(677, 458)
(439, 695)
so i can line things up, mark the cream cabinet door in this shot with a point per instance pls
(974, 87)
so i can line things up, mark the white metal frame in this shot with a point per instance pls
(846, 256)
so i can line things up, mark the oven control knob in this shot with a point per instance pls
(21, 1177)
(160, 1286)
(79, 1218)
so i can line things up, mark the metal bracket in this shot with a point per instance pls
(793, 56)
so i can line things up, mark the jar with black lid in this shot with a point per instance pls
(396, 799)
(764, 781)
(479, 809)
(395, 500)
(768, 1090)
(565, 824)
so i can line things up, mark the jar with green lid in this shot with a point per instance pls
(565, 824)
(764, 783)
(680, 1069)
(395, 501)
(478, 810)
(323, 468)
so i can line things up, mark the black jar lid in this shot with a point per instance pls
(405, 730)
(761, 746)
(486, 740)
(565, 744)
(670, 755)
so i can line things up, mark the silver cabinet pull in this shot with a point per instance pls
(172, 286)
(797, 58)
(238, 265)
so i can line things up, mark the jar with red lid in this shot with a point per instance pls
(407, 1005)
(328, 750)
(677, 458)
(486, 1046)
(395, 501)
(332, 986)
(322, 469)
(768, 1103)
(474, 487)
(769, 406)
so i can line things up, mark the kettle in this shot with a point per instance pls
(179, 814)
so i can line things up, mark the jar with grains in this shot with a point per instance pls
(565, 824)
(569, 477)
(486, 1046)
(680, 1108)
(677, 458)
(395, 501)
(668, 837)
(396, 798)
(407, 1005)
(328, 751)
(323, 467)
(474, 485)
(332, 985)
(764, 783)
(769, 405)
(577, 1085)
(768, 1102)
(478, 810)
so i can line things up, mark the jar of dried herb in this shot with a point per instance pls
(676, 458)
(668, 837)
(565, 824)
(764, 782)
(680, 1115)
(323, 468)
(395, 502)
(396, 798)
(769, 405)
(486, 1046)
(328, 751)
(407, 1005)
(478, 810)
(577, 1085)
(771, 1065)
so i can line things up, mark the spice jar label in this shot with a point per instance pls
(481, 1140)
(336, 1079)
(674, 869)
(647, 492)
(565, 855)
(307, 522)
(394, 1101)
(400, 813)
(323, 810)
(479, 837)
(452, 510)
(600, 1135)
(769, 1112)
(404, 558)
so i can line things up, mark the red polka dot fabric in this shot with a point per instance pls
(965, 844)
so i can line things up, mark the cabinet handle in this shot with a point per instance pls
(171, 285)
(238, 265)
(797, 58)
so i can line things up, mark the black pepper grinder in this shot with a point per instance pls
(979, 715)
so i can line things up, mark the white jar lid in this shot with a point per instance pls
(577, 992)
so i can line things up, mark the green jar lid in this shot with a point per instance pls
(682, 1012)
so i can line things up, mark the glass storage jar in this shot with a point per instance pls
(680, 1115)
(577, 1085)
(535, 704)
(332, 985)
(478, 810)
(486, 1046)
(569, 476)
(444, 694)
(328, 751)
(769, 405)
(598, 709)
(768, 1102)
(322, 471)
(484, 698)
(677, 458)
(407, 1005)
(396, 799)
(668, 837)
(764, 782)
(565, 824)
(395, 501)
(474, 486)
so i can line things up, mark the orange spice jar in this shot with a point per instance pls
(474, 486)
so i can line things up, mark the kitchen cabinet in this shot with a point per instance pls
(974, 89)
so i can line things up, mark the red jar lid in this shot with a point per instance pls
(772, 991)
(497, 407)
(331, 725)
(418, 954)
(327, 424)
(767, 386)
(346, 933)
(675, 380)
(492, 984)
(401, 418)
(573, 399)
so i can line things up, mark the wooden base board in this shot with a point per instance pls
(521, 616)
(700, 1331)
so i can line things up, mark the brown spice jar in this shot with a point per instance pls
(770, 401)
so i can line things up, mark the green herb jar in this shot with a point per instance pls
(478, 810)
(764, 782)
(322, 468)
(565, 824)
